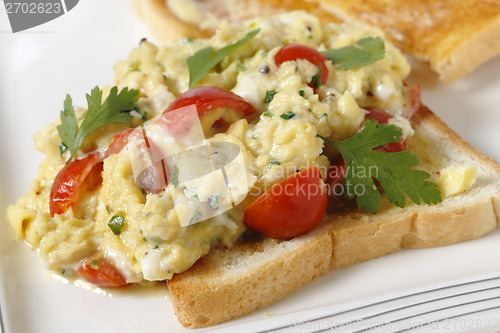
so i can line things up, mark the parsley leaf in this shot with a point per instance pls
(367, 51)
(391, 170)
(115, 109)
(202, 61)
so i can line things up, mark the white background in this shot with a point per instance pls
(77, 51)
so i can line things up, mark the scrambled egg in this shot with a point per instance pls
(152, 244)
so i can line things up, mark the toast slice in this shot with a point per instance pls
(229, 283)
(453, 36)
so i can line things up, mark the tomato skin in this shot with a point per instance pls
(290, 208)
(99, 271)
(65, 189)
(209, 98)
(415, 100)
(119, 141)
(292, 52)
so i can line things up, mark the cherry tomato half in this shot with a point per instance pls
(65, 189)
(292, 52)
(216, 107)
(99, 271)
(290, 208)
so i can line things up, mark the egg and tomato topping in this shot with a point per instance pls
(271, 93)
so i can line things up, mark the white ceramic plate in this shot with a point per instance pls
(77, 51)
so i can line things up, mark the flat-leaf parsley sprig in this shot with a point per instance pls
(392, 169)
(115, 109)
(202, 61)
(366, 51)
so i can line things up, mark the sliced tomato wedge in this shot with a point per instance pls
(119, 141)
(292, 52)
(81, 174)
(65, 189)
(217, 108)
(415, 100)
(290, 208)
(99, 271)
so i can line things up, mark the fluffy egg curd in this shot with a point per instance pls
(139, 230)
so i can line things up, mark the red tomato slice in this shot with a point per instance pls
(292, 52)
(99, 271)
(85, 171)
(68, 181)
(415, 100)
(291, 207)
(210, 99)
(119, 141)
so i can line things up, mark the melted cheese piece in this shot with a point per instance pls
(456, 179)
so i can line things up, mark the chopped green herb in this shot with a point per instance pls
(301, 93)
(141, 113)
(116, 224)
(241, 68)
(214, 200)
(189, 40)
(254, 137)
(63, 272)
(202, 61)
(275, 163)
(367, 51)
(267, 114)
(269, 96)
(196, 218)
(95, 263)
(288, 115)
(324, 115)
(316, 79)
(403, 91)
(391, 170)
(134, 67)
(115, 109)
(174, 177)
(62, 148)
(310, 37)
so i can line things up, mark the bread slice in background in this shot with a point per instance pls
(454, 36)
(229, 283)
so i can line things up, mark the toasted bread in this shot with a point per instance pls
(453, 36)
(229, 283)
